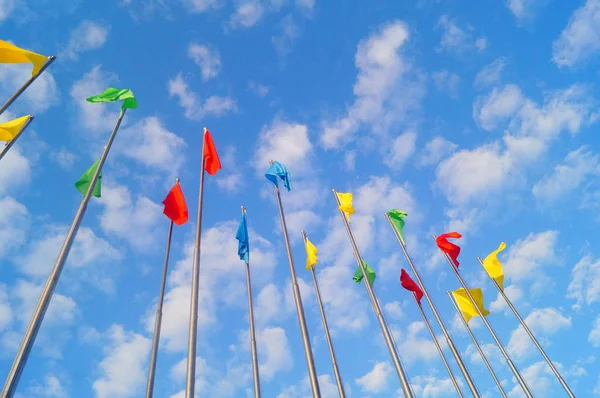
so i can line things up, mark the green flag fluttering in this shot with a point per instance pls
(112, 94)
(358, 275)
(397, 217)
(83, 183)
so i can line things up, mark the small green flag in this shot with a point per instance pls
(83, 183)
(358, 275)
(115, 94)
(397, 217)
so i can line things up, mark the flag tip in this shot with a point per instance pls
(176, 180)
(243, 209)
(271, 161)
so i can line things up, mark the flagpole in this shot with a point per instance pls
(312, 372)
(336, 370)
(10, 143)
(382, 323)
(26, 84)
(12, 380)
(512, 366)
(487, 364)
(438, 318)
(530, 333)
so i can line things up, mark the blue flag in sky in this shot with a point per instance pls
(278, 170)
(242, 237)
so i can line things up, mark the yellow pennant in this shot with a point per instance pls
(311, 254)
(11, 54)
(466, 305)
(10, 129)
(346, 203)
(493, 266)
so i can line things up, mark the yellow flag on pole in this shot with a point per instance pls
(10, 129)
(11, 54)
(493, 266)
(466, 305)
(346, 203)
(311, 254)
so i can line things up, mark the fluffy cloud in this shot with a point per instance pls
(523, 10)
(87, 36)
(435, 150)
(414, 346)
(207, 58)
(456, 40)
(401, 149)
(433, 387)
(288, 33)
(594, 336)
(286, 142)
(15, 171)
(52, 388)
(327, 388)
(14, 222)
(446, 81)
(376, 381)
(276, 355)
(194, 108)
(198, 6)
(527, 256)
(247, 13)
(580, 40)
(585, 282)
(6, 313)
(39, 97)
(490, 74)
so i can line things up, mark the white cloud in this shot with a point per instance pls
(14, 222)
(260, 89)
(502, 104)
(435, 150)
(585, 282)
(306, 5)
(289, 32)
(580, 40)
(52, 388)
(446, 81)
(536, 377)
(61, 311)
(6, 8)
(490, 74)
(64, 158)
(432, 387)
(39, 96)
(527, 256)
(207, 58)
(376, 381)
(87, 36)
(456, 40)
(415, 347)
(198, 6)
(514, 294)
(523, 10)
(286, 142)
(594, 336)
(232, 179)
(194, 108)
(327, 388)
(276, 355)
(247, 14)
(6, 313)
(394, 310)
(401, 150)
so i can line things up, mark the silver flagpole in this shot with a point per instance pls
(312, 372)
(512, 366)
(382, 323)
(12, 380)
(336, 370)
(436, 315)
(10, 143)
(487, 364)
(26, 84)
(252, 331)
(530, 333)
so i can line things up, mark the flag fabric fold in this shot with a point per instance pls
(212, 163)
(10, 129)
(112, 94)
(277, 170)
(397, 217)
(11, 54)
(466, 305)
(410, 285)
(493, 266)
(449, 248)
(175, 206)
(311, 254)
(346, 203)
(358, 275)
(84, 182)
(243, 241)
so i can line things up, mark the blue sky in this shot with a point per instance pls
(475, 117)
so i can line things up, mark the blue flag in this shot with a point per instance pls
(278, 170)
(242, 237)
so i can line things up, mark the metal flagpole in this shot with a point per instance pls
(312, 372)
(438, 318)
(512, 366)
(12, 380)
(487, 364)
(190, 383)
(252, 331)
(10, 143)
(382, 323)
(336, 370)
(26, 84)
(530, 333)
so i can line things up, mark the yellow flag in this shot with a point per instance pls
(11, 54)
(346, 203)
(9, 130)
(311, 254)
(466, 305)
(493, 266)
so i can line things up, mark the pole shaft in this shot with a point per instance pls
(12, 380)
(10, 143)
(253, 350)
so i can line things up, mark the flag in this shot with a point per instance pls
(10, 129)
(175, 206)
(311, 254)
(212, 164)
(466, 305)
(11, 54)
(83, 183)
(278, 170)
(449, 248)
(397, 217)
(112, 94)
(407, 283)
(358, 275)
(243, 241)
(493, 266)
(346, 203)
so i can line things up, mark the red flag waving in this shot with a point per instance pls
(449, 248)
(407, 283)
(212, 163)
(175, 207)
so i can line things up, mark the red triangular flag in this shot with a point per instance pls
(175, 207)
(212, 163)
(407, 283)
(450, 248)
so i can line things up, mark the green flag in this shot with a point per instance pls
(83, 183)
(115, 94)
(397, 217)
(358, 275)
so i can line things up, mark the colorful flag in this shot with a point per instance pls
(449, 248)
(493, 266)
(466, 305)
(243, 241)
(10, 129)
(84, 182)
(11, 54)
(212, 164)
(175, 206)
(278, 170)
(358, 275)
(311, 254)
(407, 283)
(112, 94)
(397, 217)
(346, 203)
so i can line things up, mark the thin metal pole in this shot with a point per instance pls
(10, 143)
(512, 366)
(382, 323)
(312, 372)
(190, 383)
(438, 318)
(12, 380)
(336, 370)
(26, 84)
(530, 333)
(487, 364)
(252, 330)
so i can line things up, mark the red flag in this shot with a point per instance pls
(450, 248)
(407, 283)
(175, 207)
(212, 163)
